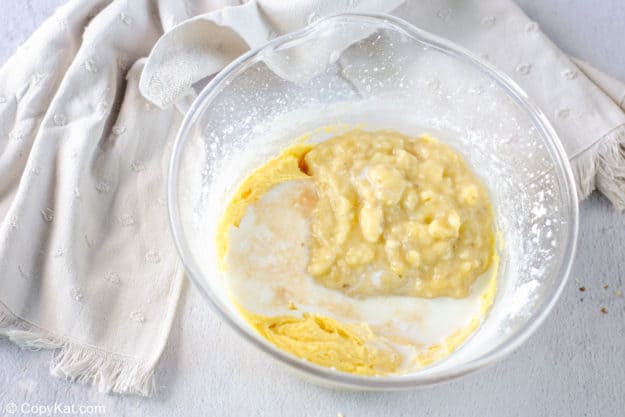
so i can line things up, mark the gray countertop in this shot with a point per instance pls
(574, 365)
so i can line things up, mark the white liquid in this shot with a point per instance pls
(266, 267)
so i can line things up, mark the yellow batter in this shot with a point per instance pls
(327, 342)
(286, 167)
(372, 188)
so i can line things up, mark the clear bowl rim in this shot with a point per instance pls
(331, 376)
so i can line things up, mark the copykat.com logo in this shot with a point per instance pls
(30, 409)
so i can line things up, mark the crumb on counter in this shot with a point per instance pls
(606, 286)
(604, 310)
(618, 293)
(292, 305)
(582, 289)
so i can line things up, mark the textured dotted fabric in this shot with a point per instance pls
(87, 123)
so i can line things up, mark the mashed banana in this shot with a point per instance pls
(397, 215)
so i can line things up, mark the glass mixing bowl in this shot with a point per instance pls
(377, 71)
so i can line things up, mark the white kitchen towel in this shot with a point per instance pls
(589, 121)
(585, 106)
(87, 265)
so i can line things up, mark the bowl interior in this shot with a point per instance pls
(377, 72)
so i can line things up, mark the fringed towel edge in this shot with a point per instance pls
(602, 167)
(78, 362)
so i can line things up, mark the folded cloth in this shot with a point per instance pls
(584, 105)
(87, 263)
(581, 102)
(86, 129)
